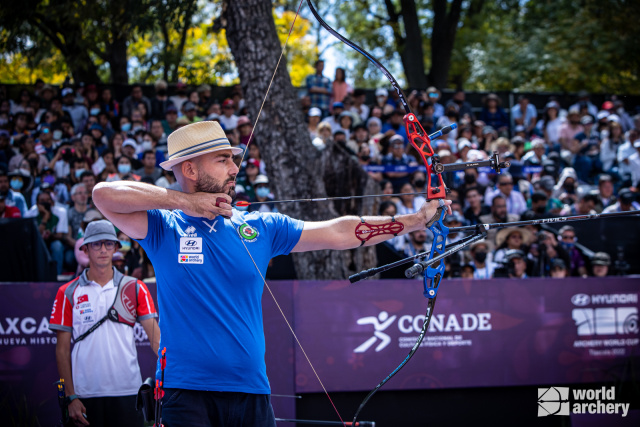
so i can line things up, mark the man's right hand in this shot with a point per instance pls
(205, 205)
(76, 409)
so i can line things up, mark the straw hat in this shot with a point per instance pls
(506, 232)
(195, 140)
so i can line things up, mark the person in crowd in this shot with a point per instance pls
(524, 114)
(398, 157)
(131, 102)
(569, 129)
(396, 126)
(149, 169)
(160, 102)
(413, 243)
(10, 187)
(339, 87)
(433, 95)
(314, 117)
(536, 156)
(319, 89)
(409, 203)
(600, 263)
(584, 102)
(493, 115)
(566, 190)
(606, 196)
(228, 119)
(53, 226)
(498, 214)
(108, 351)
(516, 264)
(26, 151)
(515, 201)
(464, 108)
(77, 112)
(262, 195)
(634, 164)
(538, 209)
(8, 211)
(475, 208)
(559, 269)
(587, 151)
(359, 108)
(451, 116)
(584, 206)
(483, 266)
(76, 213)
(568, 240)
(337, 108)
(169, 124)
(108, 104)
(511, 238)
(549, 125)
(123, 165)
(626, 202)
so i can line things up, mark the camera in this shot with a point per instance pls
(67, 154)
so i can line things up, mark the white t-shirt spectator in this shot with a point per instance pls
(229, 123)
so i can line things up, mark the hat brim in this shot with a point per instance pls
(167, 165)
(99, 237)
(503, 234)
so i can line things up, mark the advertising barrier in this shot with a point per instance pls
(489, 333)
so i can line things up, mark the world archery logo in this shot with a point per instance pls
(553, 401)
(248, 233)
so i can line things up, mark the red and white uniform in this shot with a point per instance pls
(105, 363)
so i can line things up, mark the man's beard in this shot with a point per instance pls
(207, 184)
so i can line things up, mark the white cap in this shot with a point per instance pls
(614, 118)
(261, 179)
(381, 92)
(603, 114)
(463, 142)
(315, 112)
(637, 143)
(130, 142)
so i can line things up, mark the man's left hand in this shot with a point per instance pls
(429, 209)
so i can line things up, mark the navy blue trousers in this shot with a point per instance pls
(196, 408)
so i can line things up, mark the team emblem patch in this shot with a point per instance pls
(249, 233)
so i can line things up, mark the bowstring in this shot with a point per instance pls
(264, 100)
(288, 324)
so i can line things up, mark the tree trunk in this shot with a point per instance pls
(292, 161)
(445, 25)
(117, 54)
(412, 53)
(81, 66)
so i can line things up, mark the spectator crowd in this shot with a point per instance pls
(56, 144)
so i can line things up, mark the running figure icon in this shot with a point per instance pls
(380, 323)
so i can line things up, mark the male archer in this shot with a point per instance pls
(211, 279)
(100, 308)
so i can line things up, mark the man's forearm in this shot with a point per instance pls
(127, 197)
(63, 360)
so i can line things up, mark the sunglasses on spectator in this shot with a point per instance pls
(108, 245)
(505, 183)
(569, 238)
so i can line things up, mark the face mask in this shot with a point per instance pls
(162, 92)
(49, 179)
(126, 127)
(262, 192)
(365, 158)
(94, 111)
(16, 184)
(146, 145)
(79, 172)
(568, 245)
(420, 183)
(57, 134)
(480, 256)
(124, 169)
(126, 246)
(469, 179)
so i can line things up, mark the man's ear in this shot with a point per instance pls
(189, 170)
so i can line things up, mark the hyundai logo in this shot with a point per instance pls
(580, 300)
(190, 243)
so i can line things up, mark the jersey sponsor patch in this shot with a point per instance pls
(88, 319)
(190, 258)
(249, 233)
(191, 245)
